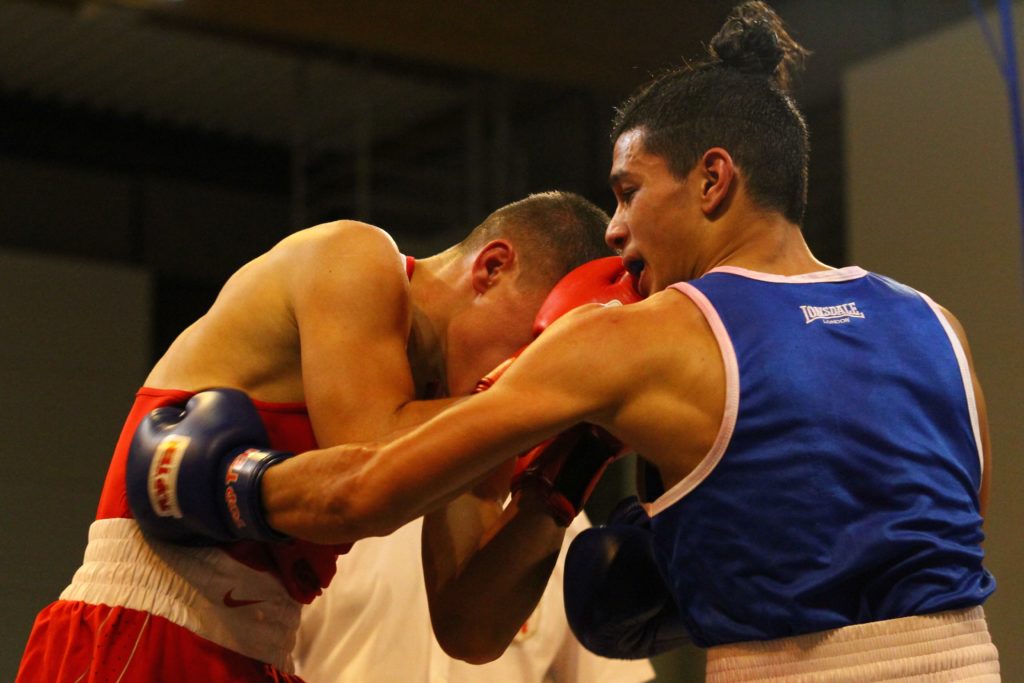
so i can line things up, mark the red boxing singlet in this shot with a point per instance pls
(303, 568)
(137, 605)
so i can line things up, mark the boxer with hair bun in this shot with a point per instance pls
(816, 437)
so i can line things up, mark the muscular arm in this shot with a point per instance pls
(345, 493)
(485, 568)
(351, 305)
(353, 315)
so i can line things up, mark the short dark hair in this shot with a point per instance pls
(553, 231)
(736, 98)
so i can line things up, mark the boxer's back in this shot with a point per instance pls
(249, 338)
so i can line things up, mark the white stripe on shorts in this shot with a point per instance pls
(201, 589)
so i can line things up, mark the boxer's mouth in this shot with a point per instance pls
(635, 267)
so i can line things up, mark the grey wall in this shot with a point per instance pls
(75, 345)
(931, 197)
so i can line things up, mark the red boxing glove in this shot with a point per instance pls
(601, 281)
(567, 467)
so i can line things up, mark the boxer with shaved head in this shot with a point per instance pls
(331, 336)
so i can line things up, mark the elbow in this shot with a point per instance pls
(469, 642)
(469, 631)
(478, 656)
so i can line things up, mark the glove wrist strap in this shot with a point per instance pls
(243, 499)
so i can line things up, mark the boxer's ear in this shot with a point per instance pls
(493, 262)
(718, 173)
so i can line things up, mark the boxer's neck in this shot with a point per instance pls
(434, 296)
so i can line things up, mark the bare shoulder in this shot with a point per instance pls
(958, 329)
(351, 241)
(961, 334)
(346, 254)
(651, 373)
(356, 234)
(980, 403)
(954, 323)
(627, 345)
(664, 314)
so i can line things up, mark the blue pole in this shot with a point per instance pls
(1013, 91)
(1006, 59)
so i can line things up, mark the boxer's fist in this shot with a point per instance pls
(193, 473)
(566, 468)
(601, 281)
(616, 598)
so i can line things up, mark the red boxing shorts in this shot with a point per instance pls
(76, 642)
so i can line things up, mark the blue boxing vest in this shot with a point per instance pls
(843, 486)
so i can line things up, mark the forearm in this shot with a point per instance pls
(299, 496)
(343, 493)
(410, 415)
(483, 584)
(310, 499)
(378, 420)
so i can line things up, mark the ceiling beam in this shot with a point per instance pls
(600, 44)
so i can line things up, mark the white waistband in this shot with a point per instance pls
(947, 646)
(201, 589)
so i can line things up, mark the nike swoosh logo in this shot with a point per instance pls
(232, 602)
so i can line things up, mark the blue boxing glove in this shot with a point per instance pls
(193, 474)
(616, 600)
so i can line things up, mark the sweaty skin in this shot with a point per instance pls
(328, 318)
(283, 327)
